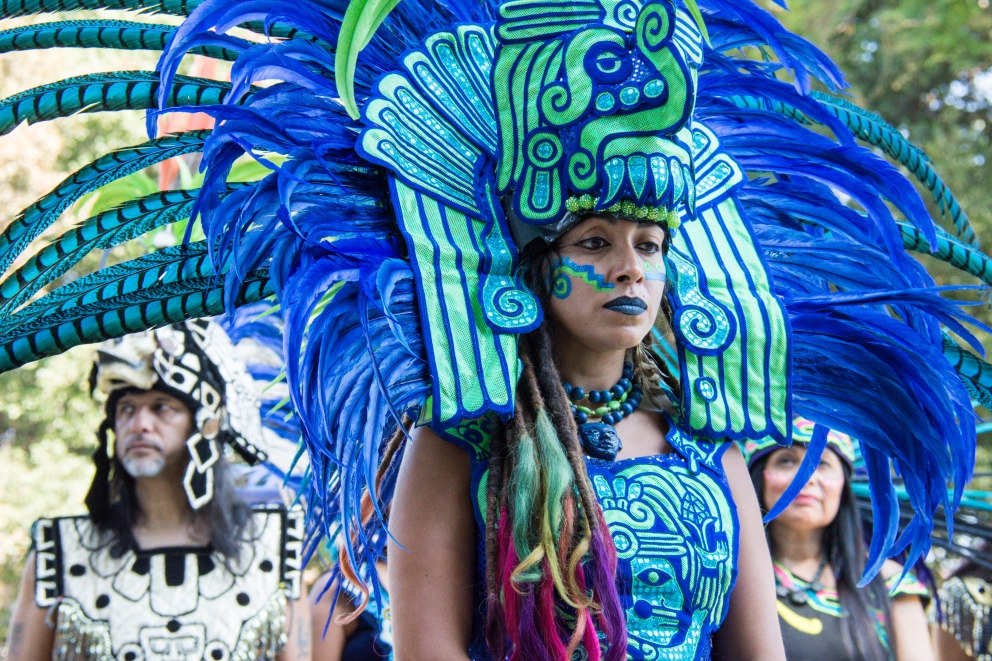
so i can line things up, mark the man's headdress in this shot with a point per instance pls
(195, 362)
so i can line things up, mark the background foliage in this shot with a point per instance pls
(924, 65)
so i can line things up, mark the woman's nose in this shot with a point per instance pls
(630, 266)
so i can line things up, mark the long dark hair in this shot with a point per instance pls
(113, 505)
(843, 546)
(547, 592)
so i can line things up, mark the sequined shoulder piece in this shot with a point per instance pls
(696, 451)
(967, 605)
(189, 603)
(475, 435)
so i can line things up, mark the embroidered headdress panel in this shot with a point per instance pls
(602, 110)
(561, 108)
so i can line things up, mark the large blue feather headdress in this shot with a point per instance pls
(423, 139)
(558, 109)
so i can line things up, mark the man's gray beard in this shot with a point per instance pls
(149, 467)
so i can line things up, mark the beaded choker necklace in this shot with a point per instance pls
(600, 439)
(799, 595)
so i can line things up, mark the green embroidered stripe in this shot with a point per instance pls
(448, 306)
(716, 397)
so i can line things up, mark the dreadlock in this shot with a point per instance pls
(386, 473)
(550, 561)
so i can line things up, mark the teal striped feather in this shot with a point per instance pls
(876, 131)
(975, 373)
(119, 35)
(103, 231)
(756, 103)
(949, 249)
(117, 90)
(39, 216)
(185, 287)
(174, 264)
(11, 8)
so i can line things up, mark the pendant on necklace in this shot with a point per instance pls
(600, 441)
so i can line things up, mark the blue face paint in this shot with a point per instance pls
(655, 271)
(567, 269)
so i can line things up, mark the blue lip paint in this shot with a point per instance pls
(627, 305)
(567, 269)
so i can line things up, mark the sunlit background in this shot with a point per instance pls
(923, 65)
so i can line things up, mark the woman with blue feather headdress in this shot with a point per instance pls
(427, 239)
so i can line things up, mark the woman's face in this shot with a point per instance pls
(817, 504)
(608, 282)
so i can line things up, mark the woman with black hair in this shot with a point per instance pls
(819, 556)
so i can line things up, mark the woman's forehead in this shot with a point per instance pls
(612, 223)
(800, 449)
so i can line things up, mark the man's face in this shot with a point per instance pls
(151, 428)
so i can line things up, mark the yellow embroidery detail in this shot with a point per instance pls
(810, 625)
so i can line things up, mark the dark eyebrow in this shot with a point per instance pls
(156, 398)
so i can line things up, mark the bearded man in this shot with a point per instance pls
(170, 564)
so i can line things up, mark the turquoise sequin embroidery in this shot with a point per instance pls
(676, 534)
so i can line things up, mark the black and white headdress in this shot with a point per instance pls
(196, 362)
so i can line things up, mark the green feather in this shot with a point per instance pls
(361, 20)
(120, 35)
(698, 17)
(557, 470)
(39, 216)
(525, 482)
(960, 255)
(118, 90)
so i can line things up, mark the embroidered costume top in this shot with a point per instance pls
(675, 527)
(812, 632)
(169, 604)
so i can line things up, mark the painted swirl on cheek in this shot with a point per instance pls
(567, 269)
(655, 272)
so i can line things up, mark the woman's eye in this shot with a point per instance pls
(593, 243)
(649, 248)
